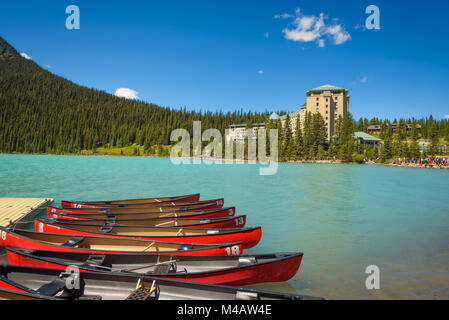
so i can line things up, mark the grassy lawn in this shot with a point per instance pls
(126, 151)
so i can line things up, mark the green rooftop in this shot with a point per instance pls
(365, 137)
(327, 87)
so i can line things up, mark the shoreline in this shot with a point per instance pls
(319, 162)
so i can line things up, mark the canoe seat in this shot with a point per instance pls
(185, 247)
(74, 241)
(95, 259)
(111, 219)
(165, 268)
(240, 295)
(52, 288)
(143, 292)
(244, 261)
(162, 269)
(105, 228)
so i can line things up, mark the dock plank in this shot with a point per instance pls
(13, 210)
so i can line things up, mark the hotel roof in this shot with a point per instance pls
(365, 137)
(327, 87)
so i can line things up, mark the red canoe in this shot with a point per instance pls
(226, 270)
(215, 223)
(216, 203)
(24, 239)
(199, 207)
(201, 214)
(249, 237)
(186, 198)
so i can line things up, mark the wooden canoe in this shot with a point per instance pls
(185, 198)
(215, 203)
(227, 270)
(168, 210)
(249, 237)
(214, 223)
(147, 213)
(24, 239)
(74, 284)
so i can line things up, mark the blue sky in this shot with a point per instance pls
(241, 54)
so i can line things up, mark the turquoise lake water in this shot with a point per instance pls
(343, 217)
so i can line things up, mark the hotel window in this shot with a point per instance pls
(327, 118)
(327, 112)
(317, 104)
(317, 98)
(327, 106)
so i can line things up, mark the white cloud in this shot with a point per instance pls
(266, 35)
(47, 66)
(313, 28)
(283, 16)
(127, 93)
(364, 79)
(338, 34)
(446, 116)
(23, 54)
(260, 72)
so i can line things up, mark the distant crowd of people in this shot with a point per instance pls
(440, 162)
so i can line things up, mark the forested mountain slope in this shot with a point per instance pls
(45, 113)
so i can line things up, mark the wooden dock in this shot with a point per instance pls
(13, 210)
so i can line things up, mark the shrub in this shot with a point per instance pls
(358, 158)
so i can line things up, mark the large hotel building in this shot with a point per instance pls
(330, 101)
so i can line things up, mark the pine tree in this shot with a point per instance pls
(299, 142)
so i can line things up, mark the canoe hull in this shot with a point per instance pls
(154, 209)
(215, 223)
(14, 240)
(279, 270)
(216, 203)
(201, 214)
(249, 237)
(113, 286)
